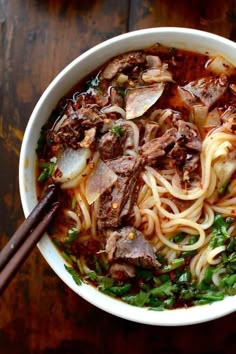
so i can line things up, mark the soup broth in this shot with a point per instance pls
(144, 153)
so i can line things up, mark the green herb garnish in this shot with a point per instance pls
(72, 235)
(118, 131)
(47, 170)
(75, 275)
(219, 231)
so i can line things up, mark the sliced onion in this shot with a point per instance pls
(199, 115)
(116, 109)
(213, 118)
(71, 163)
(59, 122)
(99, 181)
(225, 168)
(139, 100)
(219, 65)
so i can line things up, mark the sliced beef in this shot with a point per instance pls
(156, 148)
(111, 145)
(206, 90)
(117, 202)
(122, 62)
(129, 245)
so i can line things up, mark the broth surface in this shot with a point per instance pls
(144, 151)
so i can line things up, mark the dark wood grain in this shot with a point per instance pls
(38, 313)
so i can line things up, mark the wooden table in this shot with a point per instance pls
(38, 313)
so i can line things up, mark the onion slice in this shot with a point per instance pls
(140, 99)
(71, 163)
(219, 65)
(99, 181)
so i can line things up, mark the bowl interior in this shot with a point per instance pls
(189, 39)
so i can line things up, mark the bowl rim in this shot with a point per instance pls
(115, 307)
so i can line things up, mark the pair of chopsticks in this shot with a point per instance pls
(26, 237)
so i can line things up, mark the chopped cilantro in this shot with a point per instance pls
(118, 131)
(164, 290)
(139, 299)
(219, 231)
(93, 83)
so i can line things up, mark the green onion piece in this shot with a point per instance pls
(76, 277)
(176, 263)
(67, 258)
(72, 235)
(179, 237)
(47, 170)
(213, 297)
(43, 176)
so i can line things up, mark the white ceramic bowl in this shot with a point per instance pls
(173, 37)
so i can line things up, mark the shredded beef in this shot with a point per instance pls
(156, 148)
(129, 245)
(185, 153)
(117, 202)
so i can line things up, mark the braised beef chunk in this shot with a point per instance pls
(117, 202)
(90, 117)
(156, 148)
(128, 244)
(188, 136)
(111, 145)
(122, 62)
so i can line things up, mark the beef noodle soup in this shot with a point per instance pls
(144, 152)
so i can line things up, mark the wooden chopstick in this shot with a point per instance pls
(26, 237)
